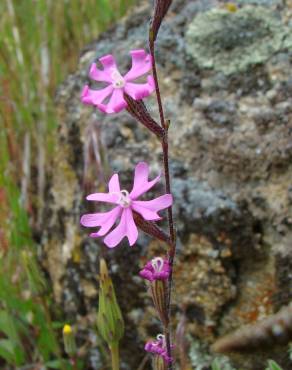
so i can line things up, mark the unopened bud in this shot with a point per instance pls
(69, 340)
(110, 322)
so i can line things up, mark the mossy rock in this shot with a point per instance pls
(231, 42)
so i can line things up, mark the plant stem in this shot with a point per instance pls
(172, 247)
(114, 348)
(157, 90)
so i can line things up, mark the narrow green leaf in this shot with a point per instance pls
(273, 365)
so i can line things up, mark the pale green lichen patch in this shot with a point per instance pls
(231, 42)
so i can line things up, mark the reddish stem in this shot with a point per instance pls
(172, 247)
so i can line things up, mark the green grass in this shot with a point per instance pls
(39, 45)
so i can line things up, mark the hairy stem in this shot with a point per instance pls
(172, 247)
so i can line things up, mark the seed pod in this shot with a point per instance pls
(276, 329)
(110, 322)
(69, 341)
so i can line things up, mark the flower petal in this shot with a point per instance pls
(108, 223)
(132, 231)
(94, 97)
(109, 66)
(147, 214)
(126, 227)
(116, 103)
(141, 184)
(148, 209)
(114, 184)
(116, 236)
(141, 64)
(98, 219)
(103, 197)
(140, 91)
(109, 63)
(98, 75)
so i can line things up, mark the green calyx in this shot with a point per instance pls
(110, 322)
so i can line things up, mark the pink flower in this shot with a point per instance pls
(125, 204)
(156, 269)
(118, 84)
(158, 347)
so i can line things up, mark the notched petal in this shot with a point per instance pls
(141, 64)
(141, 183)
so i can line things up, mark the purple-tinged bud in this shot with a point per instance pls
(157, 272)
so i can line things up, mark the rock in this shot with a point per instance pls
(230, 143)
(230, 42)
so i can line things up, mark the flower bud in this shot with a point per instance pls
(69, 340)
(110, 322)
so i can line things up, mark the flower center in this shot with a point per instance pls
(161, 340)
(124, 199)
(157, 264)
(118, 80)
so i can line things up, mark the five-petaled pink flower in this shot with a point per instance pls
(125, 204)
(156, 269)
(118, 84)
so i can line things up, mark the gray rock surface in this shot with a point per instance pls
(231, 151)
(230, 42)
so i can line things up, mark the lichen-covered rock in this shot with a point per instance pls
(231, 42)
(231, 152)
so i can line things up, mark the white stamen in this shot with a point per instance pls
(161, 338)
(124, 199)
(118, 80)
(157, 264)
